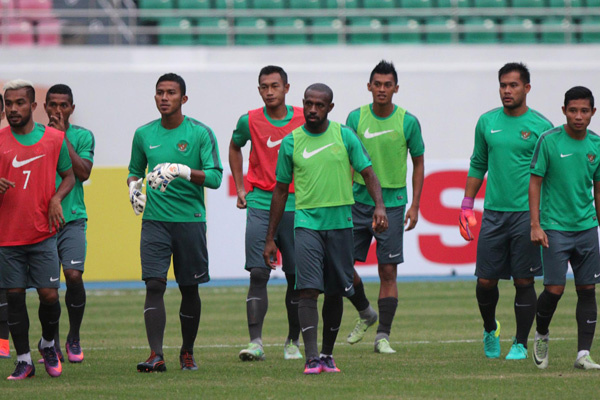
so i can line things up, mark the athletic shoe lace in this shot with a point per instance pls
(188, 360)
(74, 346)
(151, 358)
(50, 356)
(21, 368)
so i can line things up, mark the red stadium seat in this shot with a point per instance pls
(41, 8)
(20, 33)
(48, 32)
(7, 5)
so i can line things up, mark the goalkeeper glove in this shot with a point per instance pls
(466, 219)
(165, 173)
(136, 197)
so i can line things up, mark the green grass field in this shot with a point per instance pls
(437, 333)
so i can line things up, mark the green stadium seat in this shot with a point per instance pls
(334, 25)
(155, 4)
(237, 4)
(416, 3)
(565, 3)
(379, 4)
(304, 4)
(592, 3)
(448, 26)
(298, 24)
(556, 37)
(528, 3)
(334, 4)
(490, 3)
(413, 35)
(590, 36)
(258, 25)
(175, 32)
(193, 4)
(213, 39)
(527, 34)
(452, 3)
(487, 30)
(373, 33)
(267, 4)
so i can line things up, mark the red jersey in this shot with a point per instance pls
(266, 140)
(24, 208)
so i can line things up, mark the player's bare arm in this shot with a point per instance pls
(538, 236)
(418, 177)
(56, 218)
(5, 184)
(597, 199)
(236, 163)
(380, 221)
(280, 195)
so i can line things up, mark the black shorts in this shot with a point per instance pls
(31, 265)
(389, 243)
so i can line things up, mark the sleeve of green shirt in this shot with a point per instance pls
(138, 161)
(209, 155)
(284, 172)
(86, 146)
(413, 136)
(353, 118)
(359, 158)
(539, 162)
(479, 159)
(241, 134)
(64, 161)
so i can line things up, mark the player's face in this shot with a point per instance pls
(513, 91)
(579, 114)
(168, 98)
(272, 90)
(382, 87)
(19, 109)
(316, 108)
(59, 104)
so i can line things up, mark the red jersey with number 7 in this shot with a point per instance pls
(24, 208)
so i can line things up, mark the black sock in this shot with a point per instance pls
(189, 316)
(387, 310)
(525, 302)
(49, 315)
(291, 305)
(586, 314)
(359, 299)
(155, 316)
(257, 302)
(487, 299)
(333, 309)
(546, 305)
(75, 299)
(308, 316)
(19, 322)
(4, 331)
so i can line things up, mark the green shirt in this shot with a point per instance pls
(503, 147)
(569, 168)
(388, 141)
(258, 198)
(64, 161)
(322, 208)
(193, 144)
(83, 142)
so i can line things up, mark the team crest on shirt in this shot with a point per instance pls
(525, 135)
(591, 157)
(182, 145)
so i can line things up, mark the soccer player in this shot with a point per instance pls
(4, 332)
(30, 215)
(504, 142)
(319, 157)
(565, 169)
(388, 132)
(265, 127)
(183, 155)
(71, 239)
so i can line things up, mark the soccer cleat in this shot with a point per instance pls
(491, 342)
(154, 363)
(328, 364)
(186, 359)
(313, 367)
(517, 351)
(540, 351)
(291, 352)
(254, 352)
(360, 329)
(4, 348)
(383, 346)
(51, 361)
(586, 362)
(22, 371)
(56, 348)
(74, 352)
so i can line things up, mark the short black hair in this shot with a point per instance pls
(273, 69)
(60, 89)
(384, 68)
(514, 66)
(1, 103)
(322, 88)
(577, 93)
(171, 77)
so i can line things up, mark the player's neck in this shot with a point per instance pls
(322, 127)
(516, 112)
(279, 112)
(577, 135)
(25, 129)
(171, 121)
(383, 110)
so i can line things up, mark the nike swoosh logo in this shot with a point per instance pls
(252, 298)
(394, 255)
(534, 269)
(334, 329)
(591, 322)
(496, 131)
(307, 328)
(17, 164)
(75, 262)
(12, 323)
(148, 309)
(294, 302)
(271, 144)
(308, 155)
(77, 306)
(522, 305)
(565, 155)
(3, 304)
(348, 288)
(596, 275)
(53, 279)
(186, 316)
(154, 147)
(196, 276)
(371, 135)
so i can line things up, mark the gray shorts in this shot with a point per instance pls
(31, 265)
(185, 241)
(324, 261)
(257, 223)
(72, 245)
(580, 249)
(389, 243)
(504, 248)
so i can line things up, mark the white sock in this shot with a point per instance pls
(45, 343)
(583, 353)
(25, 357)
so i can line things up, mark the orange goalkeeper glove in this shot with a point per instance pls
(466, 219)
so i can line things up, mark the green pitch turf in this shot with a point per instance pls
(437, 333)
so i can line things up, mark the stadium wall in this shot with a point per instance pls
(446, 87)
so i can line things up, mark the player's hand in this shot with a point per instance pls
(466, 219)
(57, 121)
(270, 253)
(56, 220)
(380, 221)
(539, 237)
(136, 197)
(165, 173)
(5, 184)
(411, 218)
(241, 199)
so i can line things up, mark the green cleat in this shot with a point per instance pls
(540, 351)
(586, 362)
(360, 329)
(491, 342)
(291, 352)
(254, 352)
(517, 351)
(383, 346)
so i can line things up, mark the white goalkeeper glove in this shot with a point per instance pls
(136, 197)
(165, 173)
